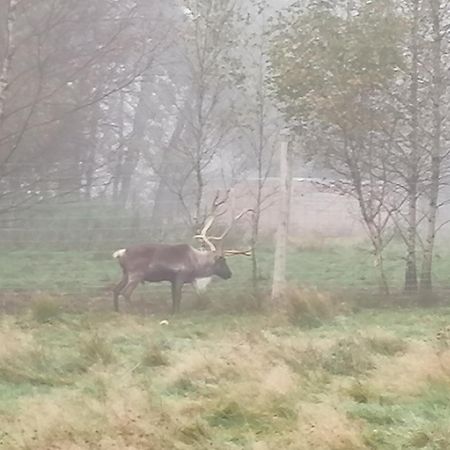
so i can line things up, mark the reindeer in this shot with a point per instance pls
(179, 264)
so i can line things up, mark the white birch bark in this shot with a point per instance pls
(435, 157)
(279, 269)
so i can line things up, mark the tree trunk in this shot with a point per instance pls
(260, 150)
(90, 160)
(118, 157)
(379, 263)
(9, 52)
(137, 139)
(413, 162)
(165, 203)
(254, 240)
(437, 90)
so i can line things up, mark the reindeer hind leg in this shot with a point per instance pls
(118, 290)
(177, 287)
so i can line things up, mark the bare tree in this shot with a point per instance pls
(46, 83)
(261, 124)
(205, 117)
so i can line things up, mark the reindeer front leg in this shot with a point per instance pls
(177, 287)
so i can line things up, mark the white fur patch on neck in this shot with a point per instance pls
(200, 284)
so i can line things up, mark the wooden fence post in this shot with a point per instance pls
(279, 269)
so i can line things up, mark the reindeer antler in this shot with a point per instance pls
(211, 217)
(216, 204)
(228, 229)
(238, 252)
(202, 236)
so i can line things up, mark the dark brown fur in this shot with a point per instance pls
(178, 264)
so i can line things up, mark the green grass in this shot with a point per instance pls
(345, 267)
(223, 377)
(370, 380)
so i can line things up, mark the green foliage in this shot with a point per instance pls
(327, 66)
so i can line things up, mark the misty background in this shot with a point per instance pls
(120, 120)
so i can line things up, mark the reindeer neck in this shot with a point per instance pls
(204, 263)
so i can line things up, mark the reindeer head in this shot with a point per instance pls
(220, 267)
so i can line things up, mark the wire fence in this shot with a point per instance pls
(67, 249)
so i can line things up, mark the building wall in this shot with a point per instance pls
(315, 212)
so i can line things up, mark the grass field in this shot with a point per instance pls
(327, 267)
(375, 379)
(329, 375)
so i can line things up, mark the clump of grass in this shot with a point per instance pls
(282, 408)
(96, 349)
(419, 439)
(337, 431)
(233, 414)
(438, 438)
(236, 301)
(379, 414)
(309, 307)
(33, 366)
(302, 361)
(386, 345)
(349, 356)
(183, 386)
(45, 309)
(154, 356)
(361, 392)
(194, 434)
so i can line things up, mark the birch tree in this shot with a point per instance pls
(440, 22)
(261, 123)
(8, 52)
(329, 76)
(205, 116)
(280, 257)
